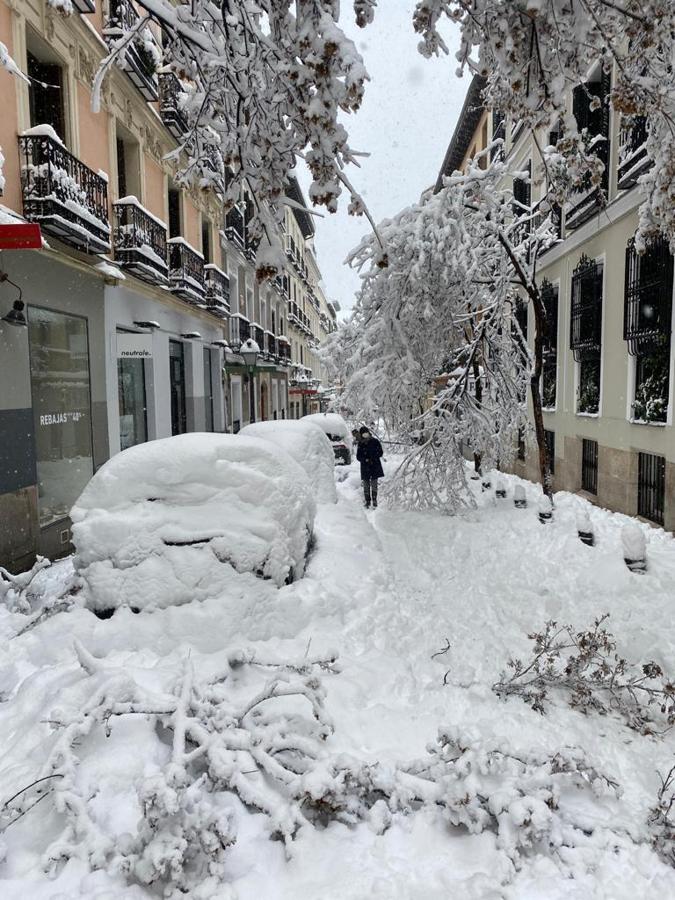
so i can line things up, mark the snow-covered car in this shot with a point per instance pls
(309, 447)
(335, 427)
(181, 518)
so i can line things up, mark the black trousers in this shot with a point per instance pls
(370, 489)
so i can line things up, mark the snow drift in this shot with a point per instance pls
(310, 448)
(174, 520)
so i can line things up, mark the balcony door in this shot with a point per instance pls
(46, 94)
(177, 387)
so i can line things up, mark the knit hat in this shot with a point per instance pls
(364, 430)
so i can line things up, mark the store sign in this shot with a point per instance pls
(134, 346)
(20, 236)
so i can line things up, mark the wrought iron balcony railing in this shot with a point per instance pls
(633, 159)
(270, 345)
(186, 271)
(142, 55)
(170, 109)
(234, 228)
(217, 291)
(240, 330)
(258, 336)
(66, 197)
(283, 350)
(139, 241)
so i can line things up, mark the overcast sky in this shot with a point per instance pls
(406, 122)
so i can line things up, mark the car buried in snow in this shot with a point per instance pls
(335, 428)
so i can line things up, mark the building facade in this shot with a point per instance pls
(138, 302)
(608, 375)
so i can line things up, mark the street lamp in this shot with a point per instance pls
(250, 351)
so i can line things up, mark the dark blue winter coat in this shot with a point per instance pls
(368, 455)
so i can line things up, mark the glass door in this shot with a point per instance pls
(132, 402)
(177, 387)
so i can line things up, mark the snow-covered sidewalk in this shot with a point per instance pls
(386, 589)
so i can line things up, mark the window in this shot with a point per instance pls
(549, 296)
(651, 486)
(208, 390)
(59, 369)
(549, 437)
(589, 466)
(128, 164)
(586, 332)
(207, 245)
(521, 444)
(646, 326)
(590, 106)
(236, 405)
(173, 205)
(132, 402)
(46, 92)
(177, 387)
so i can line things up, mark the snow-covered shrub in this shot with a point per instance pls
(310, 448)
(662, 819)
(585, 667)
(174, 520)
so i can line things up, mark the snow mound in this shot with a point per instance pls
(308, 446)
(174, 520)
(331, 424)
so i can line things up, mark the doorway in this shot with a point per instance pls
(177, 387)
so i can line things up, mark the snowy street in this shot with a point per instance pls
(385, 589)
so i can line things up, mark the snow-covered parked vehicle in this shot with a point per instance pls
(308, 445)
(335, 428)
(179, 519)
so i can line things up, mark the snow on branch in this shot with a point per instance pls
(585, 667)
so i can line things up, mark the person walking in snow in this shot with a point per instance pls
(369, 453)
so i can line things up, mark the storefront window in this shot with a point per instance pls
(132, 402)
(59, 364)
(208, 390)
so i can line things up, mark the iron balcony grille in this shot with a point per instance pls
(589, 466)
(589, 198)
(270, 345)
(258, 336)
(586, 310)
(648, 295)
(139, 242)
(170, 110)
(217, 286)
(549, 437)
(633, 160)
(240, 330)
(186, 271)
(66, 197)
(142, 56)
(234, 228)
(651, 487)
(284, 351)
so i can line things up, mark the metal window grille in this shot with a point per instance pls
(549, 297)
(586, 310)
(648, 294)
(651, 486)
(589, 466)
(549, 437)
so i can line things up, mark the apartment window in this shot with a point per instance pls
(273, 329)
(549, 297)
(207, 245)
(521, 316)
(590, 106)
(174, 209)
(646, 326)
(549, 437)
(651, 486)
(589, 466)
(586, 332)
(46, 92)
(208, 390)
(128, 164)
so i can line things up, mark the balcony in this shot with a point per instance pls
(186, 271)
(217, 291)
(139, 241)
(234, 228)
(66, 197)
(142, 56)
(170, 90)
(633, 160)
(270, 345)
(593, 123)
(240, 330)
(283, 351)
(258, 336)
